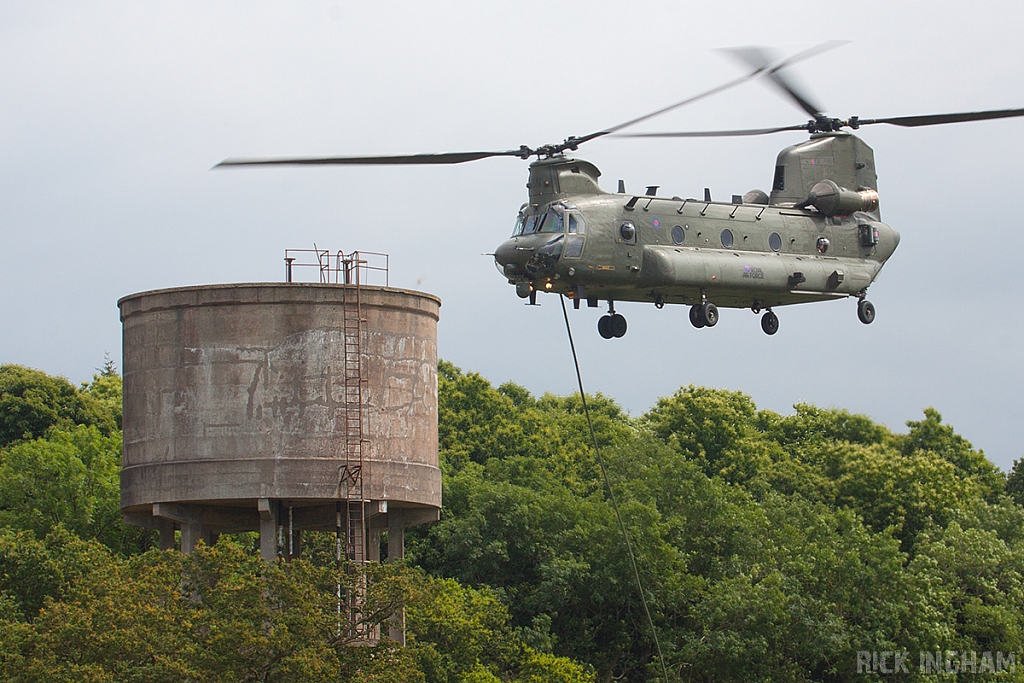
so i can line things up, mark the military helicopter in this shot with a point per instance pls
(818, 236)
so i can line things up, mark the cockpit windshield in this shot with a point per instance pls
(551, 222)
(518, 230)
(554, 220)
(525, 225)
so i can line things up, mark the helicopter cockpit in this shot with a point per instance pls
(555, 219)
(555, 233)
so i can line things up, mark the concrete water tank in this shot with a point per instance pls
(235, 415)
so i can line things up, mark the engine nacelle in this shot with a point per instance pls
(831, 200)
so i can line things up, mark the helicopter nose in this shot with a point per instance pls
(510, 260)
(505, 254)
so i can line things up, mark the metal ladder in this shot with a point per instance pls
(351, 516)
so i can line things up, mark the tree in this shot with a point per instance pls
(1015, 482)
(931, 435)
(71, 478)
(458, 634)
(702, 423)
(32, 403)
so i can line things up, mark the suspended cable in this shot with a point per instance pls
(611, 495)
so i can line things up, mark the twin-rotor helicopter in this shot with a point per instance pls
(817, 236)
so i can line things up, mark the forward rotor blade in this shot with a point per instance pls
(759, 65)
(410, 159)
(813, 51)
(712, 133)
(682, 103)
(936, 119)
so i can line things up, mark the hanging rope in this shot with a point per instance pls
(611, 495)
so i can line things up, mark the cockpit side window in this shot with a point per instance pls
(576, 225)
(530, 225)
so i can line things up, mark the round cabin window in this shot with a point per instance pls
(775, 241)
(727, 238)
(627, 231)
(678, 236)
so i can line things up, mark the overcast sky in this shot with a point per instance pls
(112, 114)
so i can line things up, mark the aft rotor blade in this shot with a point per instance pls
(713, 133)
(936, 119)
(759, 57)
(759, 68)
(410, 159)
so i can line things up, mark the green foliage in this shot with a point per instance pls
(71, 478)
(102, 398)
(702, 423)
(60, 457)
(1014, 486)
(222, 614)
(930, 435)
(460, 634)
(478, 424)
(771, 547)
(33, 571)
(32, 402)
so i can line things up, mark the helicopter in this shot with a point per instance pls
(817, 236)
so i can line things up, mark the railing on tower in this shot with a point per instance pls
(358, 267)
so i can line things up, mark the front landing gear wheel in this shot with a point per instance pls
(865, 311)
(695, 318)
(611, 326)
(770, 323)
(617, 325)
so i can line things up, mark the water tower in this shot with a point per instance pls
(281, 408)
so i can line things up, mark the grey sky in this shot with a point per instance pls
(113, 113)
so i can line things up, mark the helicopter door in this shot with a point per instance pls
(574, 240)
(627, 256)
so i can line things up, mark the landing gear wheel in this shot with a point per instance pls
(695, 318)
(865, 311)
(617, 325)
(770, 323)
(604, 326)
(709, 312)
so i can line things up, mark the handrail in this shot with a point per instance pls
(357, 267)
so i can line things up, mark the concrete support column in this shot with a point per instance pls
(268, 529)
(373, 544)
(166, 529)
(396, 534)
(396, 551)
(191, 532)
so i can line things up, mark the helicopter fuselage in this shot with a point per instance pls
(572, 238)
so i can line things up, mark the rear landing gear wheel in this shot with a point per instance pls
(865, 311)
(770, 323)
(704, 315)
(695, 318)
(617, 325)
(709, 312)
